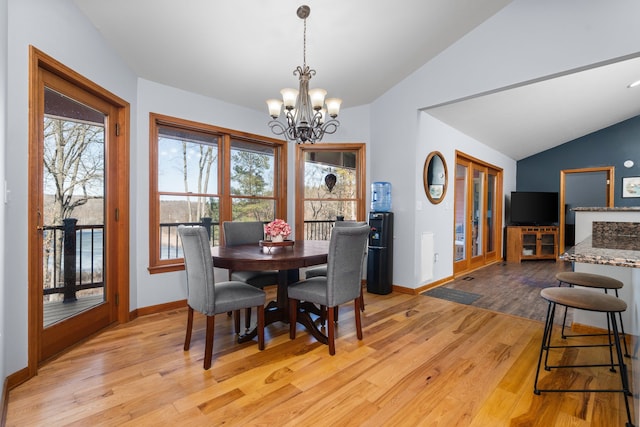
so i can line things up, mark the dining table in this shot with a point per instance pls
(287, 258)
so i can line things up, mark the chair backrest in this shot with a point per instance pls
(349, 224)
(345, 262)
(242, 232)
(198, 264)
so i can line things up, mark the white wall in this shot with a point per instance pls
(3, 145)
(439, 219)
(526, 40)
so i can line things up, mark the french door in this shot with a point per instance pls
(477, 214)
(78, 215)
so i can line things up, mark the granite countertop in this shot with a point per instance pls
(589, 253)
(600, 209)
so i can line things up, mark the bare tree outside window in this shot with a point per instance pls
(73, 177)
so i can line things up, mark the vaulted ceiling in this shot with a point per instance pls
(244, 51)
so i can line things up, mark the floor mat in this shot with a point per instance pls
(454, 295)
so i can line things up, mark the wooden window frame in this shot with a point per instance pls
(225, 136)
(361, 173)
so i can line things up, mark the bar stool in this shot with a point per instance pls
(584, 299)
(596, 281)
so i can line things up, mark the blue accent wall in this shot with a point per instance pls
(607, 147)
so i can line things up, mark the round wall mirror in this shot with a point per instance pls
(434, 177)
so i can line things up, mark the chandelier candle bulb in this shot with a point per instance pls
(317, 98)
(333, 106)
(275, 106)
(289, 97)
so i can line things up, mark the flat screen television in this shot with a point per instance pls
(534, 208)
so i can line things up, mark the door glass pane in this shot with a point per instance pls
(477, 233)
(460, 209)
(491, 209)
(73, 216)
(330, 191)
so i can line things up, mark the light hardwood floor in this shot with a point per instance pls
(423, 361)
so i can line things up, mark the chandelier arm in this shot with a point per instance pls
(330, 127)
(278, 129)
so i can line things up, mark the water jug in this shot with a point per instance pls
(381, 196)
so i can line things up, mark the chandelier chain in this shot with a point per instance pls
(304, 45)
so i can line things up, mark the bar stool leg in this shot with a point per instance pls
(624, 335)
(544, 344)
(623, 368)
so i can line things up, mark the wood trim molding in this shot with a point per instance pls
(155, 309)
(421, 289)
(610, 195)
(361, 166)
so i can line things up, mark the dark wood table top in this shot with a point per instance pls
(303, 253)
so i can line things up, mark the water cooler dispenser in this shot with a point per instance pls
(380, 255)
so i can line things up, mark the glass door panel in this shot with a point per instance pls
(460, 231)
(73, 209)
(477, 213)
(491, 212)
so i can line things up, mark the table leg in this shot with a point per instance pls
(304, 318)
(278, 310)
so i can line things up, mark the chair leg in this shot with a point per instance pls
(247, 318)
(361, 299)
(236, 321)
(208, 344)
(260, 310)
(323, 314)
(357, 303)
(187, 337)
(335, 313)
(331, 330)
(293, 315)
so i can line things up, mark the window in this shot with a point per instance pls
(330, 184)
(201, 174)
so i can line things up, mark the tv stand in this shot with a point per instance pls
(531, 242)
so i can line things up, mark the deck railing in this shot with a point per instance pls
(79, 266)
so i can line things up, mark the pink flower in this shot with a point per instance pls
(277, 227)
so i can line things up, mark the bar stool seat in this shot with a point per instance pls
(589, 280)
(584, 299)
(596, 281)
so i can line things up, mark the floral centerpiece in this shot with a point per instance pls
(277, 230)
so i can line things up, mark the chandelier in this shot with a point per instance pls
(304, 110)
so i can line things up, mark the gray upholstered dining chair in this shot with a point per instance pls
(341, 284)
(243, 233)
(321, 270)
(208, 297)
